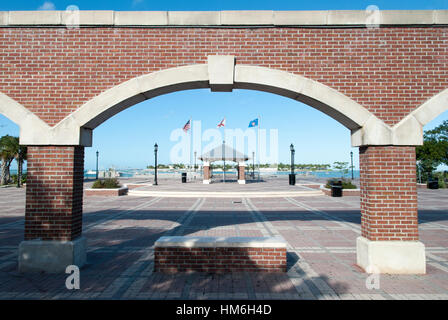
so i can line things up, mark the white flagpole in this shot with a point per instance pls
(258, 146)
(191, 139)
(223, 153)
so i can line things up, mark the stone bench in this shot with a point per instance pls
(345, 192)
(220, 254)
(114, 192)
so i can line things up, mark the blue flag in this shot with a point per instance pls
(253, 123)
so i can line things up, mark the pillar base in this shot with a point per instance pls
(51, 256)
(392, 257)
(206, 181)
(242, 181)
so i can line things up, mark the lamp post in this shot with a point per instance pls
(195, 161)
(292, 176)
(97, 154)
(351, 157)
(156, 148)
(418, 170)
(291, 147)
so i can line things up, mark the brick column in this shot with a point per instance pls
(241, 173)
(53, 216)
(389, 225)
(206, 172)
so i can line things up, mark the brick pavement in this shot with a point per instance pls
(320, 232)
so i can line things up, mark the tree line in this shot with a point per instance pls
(10, 150)
(432, 153)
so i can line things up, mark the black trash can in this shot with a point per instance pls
(336, 189)
(292, 179)
(184, 177)
(433, 184)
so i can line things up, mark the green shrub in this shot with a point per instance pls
(346, 184)
(109, 183)
(14, 178)
(442, 176)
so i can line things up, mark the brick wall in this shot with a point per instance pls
(54, 193)
(216, 260)
(388, 193)
(390, 70)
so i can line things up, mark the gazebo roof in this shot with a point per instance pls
(223, 152)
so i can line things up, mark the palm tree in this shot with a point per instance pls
(7, 154)
(20, 154)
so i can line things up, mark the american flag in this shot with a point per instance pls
(187, 126)
(222, 123)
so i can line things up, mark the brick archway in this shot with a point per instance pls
(384, 238)
(62, 81)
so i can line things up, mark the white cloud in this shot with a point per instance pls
(47, 5)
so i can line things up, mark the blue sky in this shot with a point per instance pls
(223, 5)
(127, 139)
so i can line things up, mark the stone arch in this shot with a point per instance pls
(21, 116)
(431, 108)
(411, 127)
(333, 103)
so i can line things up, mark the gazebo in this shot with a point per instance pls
(223, 153)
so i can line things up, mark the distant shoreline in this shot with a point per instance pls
(130, 173)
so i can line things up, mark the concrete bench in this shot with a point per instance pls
(220, 254)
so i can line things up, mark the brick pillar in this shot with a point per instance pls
(206, 172)
(53, 216)
(241, 173)
(389, 225)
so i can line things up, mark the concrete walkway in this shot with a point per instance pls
(267, 187)
(320, 232)
(266, 184)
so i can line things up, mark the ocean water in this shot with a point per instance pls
(129, 173)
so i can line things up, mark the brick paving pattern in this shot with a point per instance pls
(320, 232)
